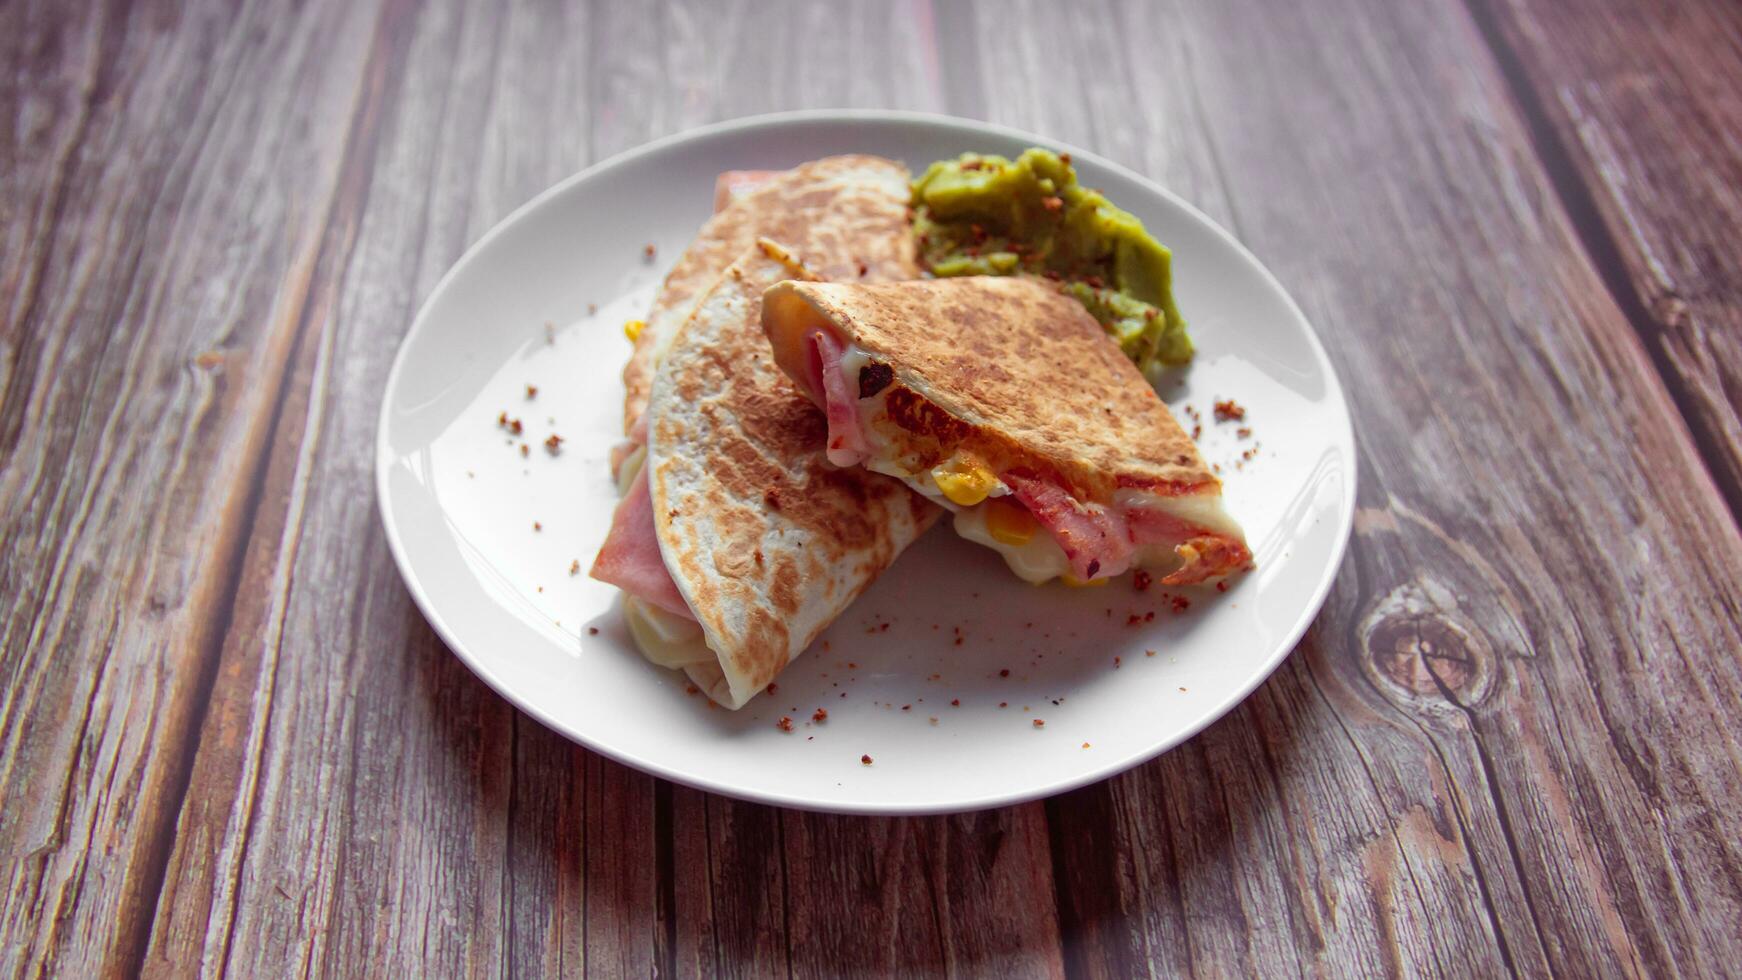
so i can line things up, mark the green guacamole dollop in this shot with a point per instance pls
(988, 216)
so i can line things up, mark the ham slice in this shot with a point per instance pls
(1096, 540)
(847, 445)
(630, 557)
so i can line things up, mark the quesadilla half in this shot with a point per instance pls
(846, 216)
(1002, 400)
(737, 542)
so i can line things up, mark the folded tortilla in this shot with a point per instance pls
(845, 217)
(737, 541)
(1004, 401)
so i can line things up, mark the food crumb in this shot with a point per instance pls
(864, 760)
(934, 719)
(1222, 586)
(1182, 688)
(955, 702)
(648, 251)
(1140, 580)
(820, 715)
(592, 308)
(1004, 704)
(592, 631)
(575, 567)
(1116, 662)
(1004, 673)
(523, 450)
(784, 724)
(1149, 653)
(1039, 723)
(1181, 603)
(772, 687)
(1229, 411)
(531, 392)
(907, 707)
(550, 332)
(1244, 431)
(553, 445)
(536, 526)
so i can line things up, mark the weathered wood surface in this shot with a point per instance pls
(1636, 110)
(231, 743)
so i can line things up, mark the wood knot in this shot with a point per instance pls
(1416, 645)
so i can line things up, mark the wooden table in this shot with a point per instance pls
(228, 742)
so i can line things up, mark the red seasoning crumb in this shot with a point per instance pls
(1222, 586)
(1039, 724)
(575, 567)
(514, 426)
(864, 760)
(537, 526)
(1181, 603)
(1004, 704)
(1116, 663)
(1053, 203)
(592, 631)
(648, 251)
(1149, 653)
(523, 450)
(1004, 673)
(502, 420)
(1140, 580)
(1229, 411)
(820, 715)
(907, 707)
(772, 687)
(1085, 745)
(531, 391)
(863, 268)
(784, 724)
(554, 444)
(1243, 431)
(955, 702)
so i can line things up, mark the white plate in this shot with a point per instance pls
(459, 503)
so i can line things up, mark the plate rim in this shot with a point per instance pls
(1097, 773)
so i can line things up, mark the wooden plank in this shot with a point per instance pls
(369, 805)
(1634, 109)
(1513, 675)
(170, 174)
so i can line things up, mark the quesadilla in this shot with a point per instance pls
(737, 542)
(1002, 399)
(846, 216)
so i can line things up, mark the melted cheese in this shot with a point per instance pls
(666, 639)
(1039, 560)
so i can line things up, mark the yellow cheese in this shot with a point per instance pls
(964, 482)
(633, 328)
(1010, 522)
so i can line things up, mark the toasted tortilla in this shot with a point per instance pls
(1016, 382)
(845, 217)
(765, 540)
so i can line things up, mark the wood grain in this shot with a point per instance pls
(228, 742)
(1635, 110)
(169, 213)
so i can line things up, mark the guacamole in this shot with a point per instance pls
(988, 216)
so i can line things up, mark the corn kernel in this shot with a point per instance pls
(633, 328)
(1077, 583)
(1010, 523)
(964, 485)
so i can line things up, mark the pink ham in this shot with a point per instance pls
(847, 445)
(1095, 540)
(734, 184)
(630, 557)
